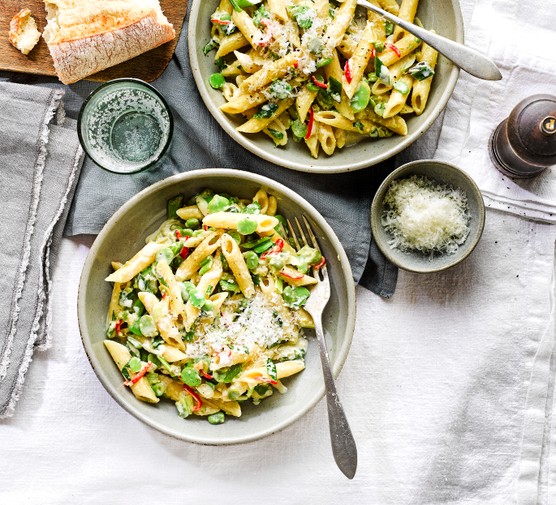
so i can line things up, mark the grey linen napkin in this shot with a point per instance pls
(343, 199)
(199, 142)
(40, 159)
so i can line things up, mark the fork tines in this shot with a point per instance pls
(298, 244)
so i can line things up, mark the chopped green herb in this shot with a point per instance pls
(388, 27)
(379, 46)
(157, 341)
(266, 111)
(206, 265)
(271, 369)
(229, 285)
(421, 71)
(303, 16)
(220, 63)
(189, 336)
(359, 125)
(381, 70)
(193, 223)
(276, 135)
(172, 206)
(157, 386)
(280, 89)
(226, 375)
(259, 14)
(210, 46)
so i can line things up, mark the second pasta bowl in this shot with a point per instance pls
(286, 105)
(198, 325)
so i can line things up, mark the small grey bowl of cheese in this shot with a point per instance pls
(427, 216)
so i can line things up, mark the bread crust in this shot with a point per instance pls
(23, 24)
(79, 58)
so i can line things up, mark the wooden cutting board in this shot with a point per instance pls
(147, 66)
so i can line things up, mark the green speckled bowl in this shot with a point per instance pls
(124, 234)
(444, 173)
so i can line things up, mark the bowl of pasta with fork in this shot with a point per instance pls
(191, 306)
(321, 85)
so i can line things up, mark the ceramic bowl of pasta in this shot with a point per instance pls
(427, 216)
(321, 86)
(191, 307)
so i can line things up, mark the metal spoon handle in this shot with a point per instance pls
(470, 60)
(343, 443)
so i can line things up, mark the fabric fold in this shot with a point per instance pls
(40, 162)
(200, 142)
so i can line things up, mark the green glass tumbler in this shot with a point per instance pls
(125, 126)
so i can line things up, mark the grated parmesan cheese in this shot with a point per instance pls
(258, 325)
(424, 215)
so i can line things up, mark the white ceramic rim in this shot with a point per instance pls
(343, 351)
(247, 143)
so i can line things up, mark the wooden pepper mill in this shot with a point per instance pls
(524, 144)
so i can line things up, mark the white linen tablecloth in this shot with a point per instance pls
(449, 386)
(435, 388)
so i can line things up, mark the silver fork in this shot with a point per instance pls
(343, 443)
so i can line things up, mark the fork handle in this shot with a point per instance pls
(343, 443)
(466, 58)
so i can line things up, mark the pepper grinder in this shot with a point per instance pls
(524, 144)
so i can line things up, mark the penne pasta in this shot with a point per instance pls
(139, 262)
(210, 322)
(163, 318)
(121, 356)
(358, 61)
(193, 262)
(231, 43)
(421, 88)
(232, 221)
(257, 124)
(282, 62)
(232, 253)
(398, 96)
(407, 11)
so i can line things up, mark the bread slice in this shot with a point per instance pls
(85, 37)
(23, 33)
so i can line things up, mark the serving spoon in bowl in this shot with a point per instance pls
(470, 60)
